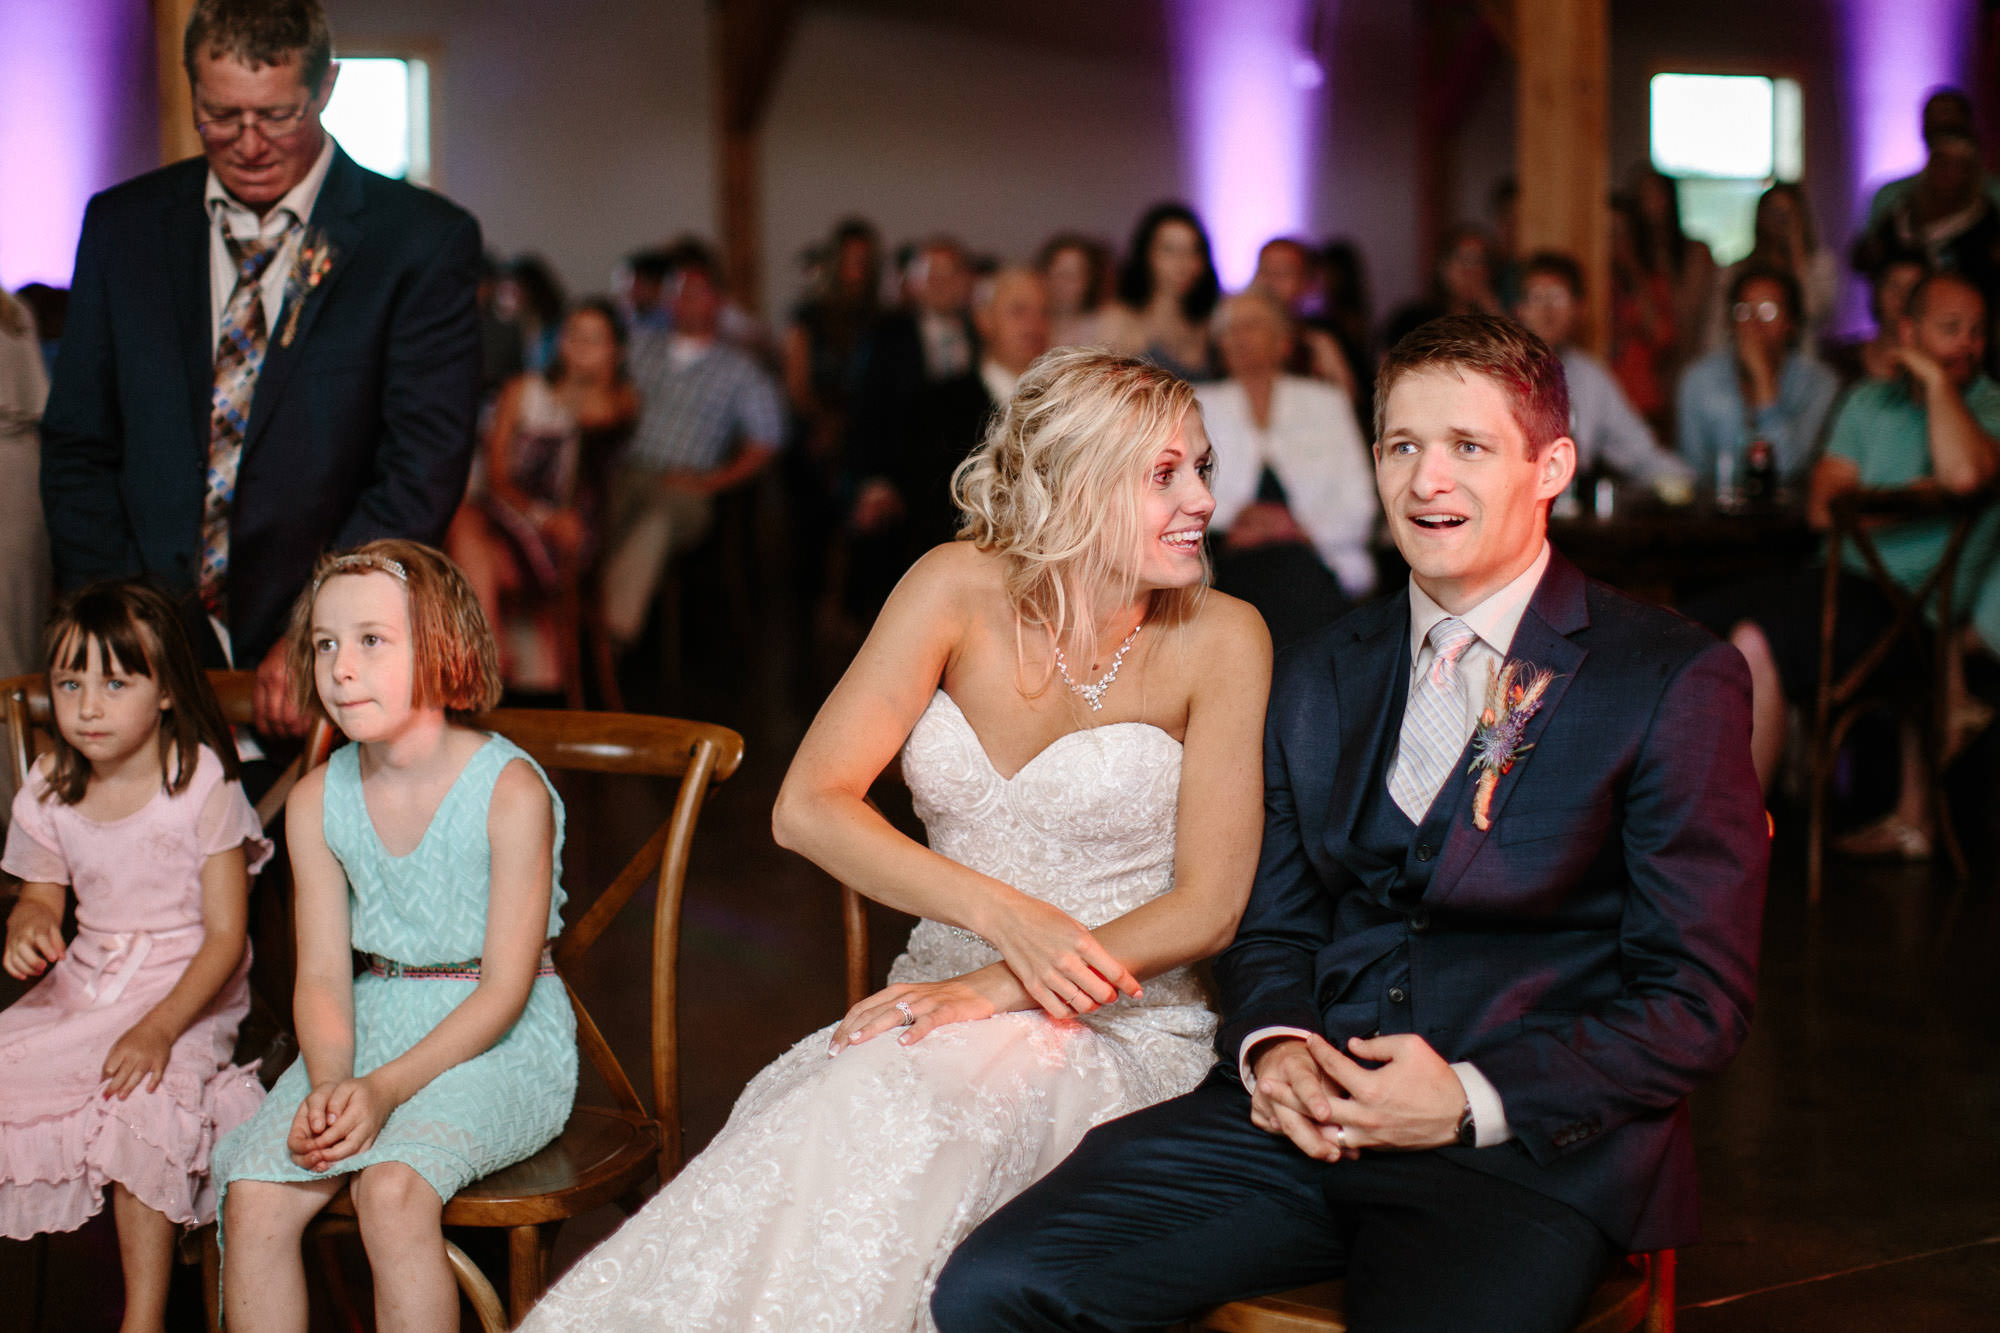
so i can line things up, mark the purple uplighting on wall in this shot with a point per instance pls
(1248, 89)
(1897, 52)
(79, 111)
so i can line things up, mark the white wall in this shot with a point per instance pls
(926, 129)
(580, 130)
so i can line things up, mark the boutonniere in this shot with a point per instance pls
(309, 270)
(1513, 695)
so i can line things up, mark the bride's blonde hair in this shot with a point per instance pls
(1055, 487)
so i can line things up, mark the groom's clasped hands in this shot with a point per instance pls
(1331, 1106)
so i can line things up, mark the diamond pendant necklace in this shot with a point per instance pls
(1094, 694)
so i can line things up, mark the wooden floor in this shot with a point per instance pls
(1850, 1158)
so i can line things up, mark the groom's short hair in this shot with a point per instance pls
(1527, 369)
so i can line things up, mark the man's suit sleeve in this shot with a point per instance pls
(83, 435)
(1696, 847)
(430, 399)
(1266, 975)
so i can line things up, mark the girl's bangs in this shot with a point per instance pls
(126, 643)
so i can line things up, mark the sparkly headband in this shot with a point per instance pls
(357, 562)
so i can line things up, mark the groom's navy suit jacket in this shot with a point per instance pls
(1593, 952)
(361, 426)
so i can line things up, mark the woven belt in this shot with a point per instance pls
(465, 971)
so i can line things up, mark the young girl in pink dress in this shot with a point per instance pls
(115, 1069)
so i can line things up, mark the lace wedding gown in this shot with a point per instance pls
(839, 1186)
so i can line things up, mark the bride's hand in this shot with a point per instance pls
(1060, 963)
(919, 1009)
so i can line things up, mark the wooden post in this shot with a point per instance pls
(749, 42)
(1562, 147)
(177, 136)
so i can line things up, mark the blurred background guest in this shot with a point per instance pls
(639, 287)
(50, 307)
(24, 543)
(1167, 289)
(710, 420)
(1946, 111)
(1610, 436)
(1946, 220)
(906, 502)
(1645, 333)
(929, 342)
(822, 360)
(1767, 384)
(1888, 301)
(1785, 240)
(1349, 315)
(1287, 271)
(1077, 271)
(1662, 247)
(531, 297)
(529, 524)
(1461, 284)
(1294, 490)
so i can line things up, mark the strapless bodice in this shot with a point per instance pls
(1087, 824)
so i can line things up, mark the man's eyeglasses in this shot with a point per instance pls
(273, 125)
(1764, 312)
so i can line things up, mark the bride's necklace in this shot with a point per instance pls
(1094, 694)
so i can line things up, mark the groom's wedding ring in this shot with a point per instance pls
(903, 1008)
(1340, 1137)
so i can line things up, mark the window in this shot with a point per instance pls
(380, 113)
(1726, 137)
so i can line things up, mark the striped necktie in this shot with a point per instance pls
(1434, 723)
(239, 356)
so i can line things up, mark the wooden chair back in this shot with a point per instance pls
(700, 755)
(1840, 700)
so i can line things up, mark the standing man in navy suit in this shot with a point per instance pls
(1497, 934)
(270, 351)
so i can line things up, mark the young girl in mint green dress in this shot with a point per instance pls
(434, 850)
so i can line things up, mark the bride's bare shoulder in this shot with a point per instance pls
(1228, 630)
(956, 570)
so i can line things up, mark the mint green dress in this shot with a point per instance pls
(429, 908)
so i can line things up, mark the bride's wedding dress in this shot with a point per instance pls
(839, 1186)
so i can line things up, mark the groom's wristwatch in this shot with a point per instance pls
(1468, 1132)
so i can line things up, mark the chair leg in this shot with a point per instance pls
(328, 1254)
(528, 1249)
(1660, 1306)
(211, 1276)
(38, 1279)
(478, 1292)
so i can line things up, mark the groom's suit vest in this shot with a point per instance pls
(1397, 859)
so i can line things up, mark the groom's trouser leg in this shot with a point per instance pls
(1180, 1207)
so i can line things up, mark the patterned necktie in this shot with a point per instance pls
(1433, 723)
(239, 355)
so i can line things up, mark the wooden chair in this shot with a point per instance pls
(606, 1152)
(24, 701)
(1639, 1294)
(1841, 701)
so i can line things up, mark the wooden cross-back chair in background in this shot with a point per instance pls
(1839, 702)
(27, 709)
(605, 1153)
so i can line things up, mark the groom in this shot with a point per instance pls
(1474, 985)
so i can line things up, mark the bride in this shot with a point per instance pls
(1080, 723)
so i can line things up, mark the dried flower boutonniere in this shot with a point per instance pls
(309, 270)
(1513, 695)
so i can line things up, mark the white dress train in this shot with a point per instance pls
(839, 1187)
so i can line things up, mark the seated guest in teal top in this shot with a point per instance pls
(1937, 423)
(1762, 386)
